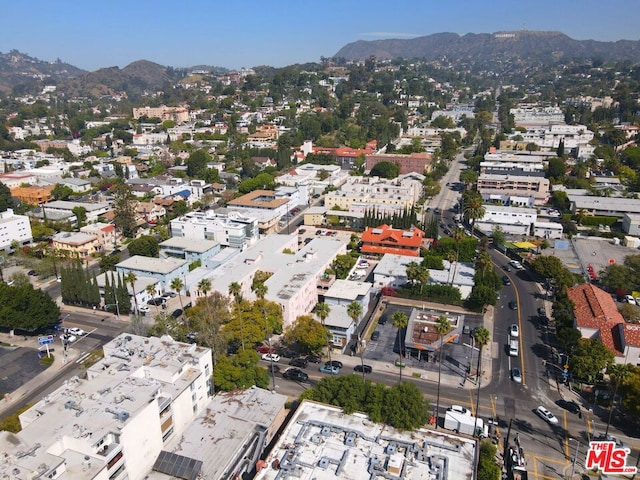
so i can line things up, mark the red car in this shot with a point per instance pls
(265, 349)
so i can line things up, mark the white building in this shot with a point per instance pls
(391, 270)
(505, 186)
(387, 196)
(322, 442)
(517, 221)
(94, 210)
(143, 394)
(457, 274)
(231, 229)
(14, 228)
(164, 270)
(573, 136)
(537, 115)
(295, 275)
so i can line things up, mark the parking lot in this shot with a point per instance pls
(457, 355)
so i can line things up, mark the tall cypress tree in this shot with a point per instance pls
(122, 293)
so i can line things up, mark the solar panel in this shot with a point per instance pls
(177, 466)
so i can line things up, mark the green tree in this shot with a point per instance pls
(405, 407)
(615, 277)
(385, 169)
(557, 169)
(145, 245)
(6, 200)
(482, 337)
(241, 371)
(443, 325)
(197, 163)
(630, 391)
(342, 265)
(124, 210)
(81, 215)
(473, 210)
(497, 234)
(322, 311)
(468, 177)
(560, 200)
(589, 358)
(177, 285)
(26, 308)
(400, 321)
(547, 266)
(308, 333)
(61, 192)
(235, 289)
(487, 467)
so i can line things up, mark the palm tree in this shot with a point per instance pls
(234, 289)
(204, 286)
(177, 285)
(400, 321)
(457, 235)
(484, 262)
(151, 290)
(260, 289)
(482, 336)
(354, 310)
(451, 258)
(131, 279)
(474, 210)
(322, 310)
(443, 325)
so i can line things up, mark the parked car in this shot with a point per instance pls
(295, 374)
(363, 368)
(68, 338)
(144, 309)
(506, 281)
(569, 405)
(516, 375)
(32, 273)
(265, 349)
(329, 369)
(459, 409)
(157, 301)
(375, 335)
(546, 415)
(514, 331)
(630, 300)
(271, 357)
(169, 294)
(334, 363)
(542, 312)
(177, 312)
(78, 332)
(313, 359)
(507, 268)
(513, 305)
(299, 362)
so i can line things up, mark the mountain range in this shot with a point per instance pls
(500, 46)
(21, 73)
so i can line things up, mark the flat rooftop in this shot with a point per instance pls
(161, 266)
(189, 245)
(322, 443)
(259, 199)
(348, 290)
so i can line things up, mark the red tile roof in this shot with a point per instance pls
(386, 239)
(595, 309)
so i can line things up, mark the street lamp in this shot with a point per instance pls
(575, 457)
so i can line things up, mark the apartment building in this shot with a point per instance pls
(364, 193)
(177, 114)
(14, 228)
(162, 269)
(572, 136)
(94, 210)
(143, 394)
(506, 185)
(76, 245)
(386, 239)
(15, 179)
(186, 249)
(230, 229)
(33, 195)
(295, 272)
(517, 221)
(107, 234)
(537, 115)
(321, 441)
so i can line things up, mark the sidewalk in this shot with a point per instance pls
(14, 398)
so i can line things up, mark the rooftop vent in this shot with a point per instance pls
(323, 463)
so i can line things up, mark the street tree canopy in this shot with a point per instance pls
(385, 170)
(401, 406)
(26, 308)
(240, 371)
(589, 358)
(308, 333)
(146, 245)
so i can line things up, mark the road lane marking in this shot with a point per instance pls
(521, 334)
(566, 435)
(471, 401)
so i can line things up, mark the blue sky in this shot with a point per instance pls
(235, 33)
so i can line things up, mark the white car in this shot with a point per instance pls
(459, 409)
(144, 309)
(630, 299)
(271, 357)
(67, 338)
(516, 264)
(514, 331)
(546, 415)
(78, 332)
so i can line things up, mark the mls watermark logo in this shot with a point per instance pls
(608, 458)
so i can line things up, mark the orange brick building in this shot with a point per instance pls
(33, 195)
